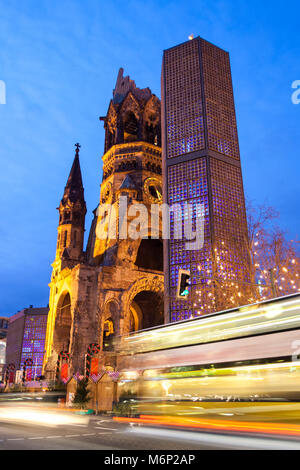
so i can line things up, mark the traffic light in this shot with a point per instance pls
(184, 284)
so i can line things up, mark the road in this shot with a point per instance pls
(104, 433)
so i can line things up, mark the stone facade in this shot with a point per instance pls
(116, 285)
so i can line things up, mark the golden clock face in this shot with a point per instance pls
(153, 189)
(106, 193)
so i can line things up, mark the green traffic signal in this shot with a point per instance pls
(184, 283)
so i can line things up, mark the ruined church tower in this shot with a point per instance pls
(115, 285)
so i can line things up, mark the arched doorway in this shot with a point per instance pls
(146, 310)
(63, 323)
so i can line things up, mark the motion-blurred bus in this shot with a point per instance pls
(250, 353)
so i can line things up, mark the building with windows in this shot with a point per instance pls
(26, 340)
(3, 335)
(201, 163)
(3, 327)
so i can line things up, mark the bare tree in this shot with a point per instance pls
(264, 266)
(277, 264)
(274, 260)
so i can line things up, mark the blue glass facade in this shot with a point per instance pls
(202, 168)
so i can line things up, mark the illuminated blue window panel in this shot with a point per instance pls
(34, 342)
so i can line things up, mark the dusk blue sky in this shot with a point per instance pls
(59, 60)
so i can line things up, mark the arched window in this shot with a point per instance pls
(65, 238)
(63, 322)
(108, 334)
(130, 127)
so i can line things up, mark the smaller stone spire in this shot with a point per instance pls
(74, 188)
(72, 210)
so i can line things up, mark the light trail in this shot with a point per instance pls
(216, 425)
